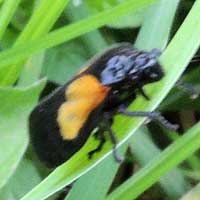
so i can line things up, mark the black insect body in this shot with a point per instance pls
(62, 122)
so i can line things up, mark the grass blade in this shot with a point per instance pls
(189, 143)
(7, 11)
(173, 155)
(37, 26)
(72, 31)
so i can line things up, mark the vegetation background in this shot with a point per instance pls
(51, 40)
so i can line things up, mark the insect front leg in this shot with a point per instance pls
(156, 116)
(188, 88)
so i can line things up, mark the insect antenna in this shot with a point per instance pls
(188, 88)
(195, 58)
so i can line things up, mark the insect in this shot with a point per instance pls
(62, 122)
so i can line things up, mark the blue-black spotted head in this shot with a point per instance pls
(135, 68)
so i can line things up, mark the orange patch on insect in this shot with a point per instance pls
(83, 96)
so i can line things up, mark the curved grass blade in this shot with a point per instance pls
(173, 155)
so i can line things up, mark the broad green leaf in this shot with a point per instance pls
(24, 179)
(16, 104)
(63, 62)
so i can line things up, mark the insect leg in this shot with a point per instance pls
(99, 134)
(188, 88)
(143, 93)
(195, 58)
(114, 142)
(156, 116)
(107, 127)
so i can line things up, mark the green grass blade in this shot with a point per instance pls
(67, 33)
(193, 194)
(42, 20)
(6, 13)
(90, 39)
(158, 16)
(158, 20)
(174, 65)
(24, 170)
(145, 151)
(97, 179)
(172, 156)
(37, 26)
